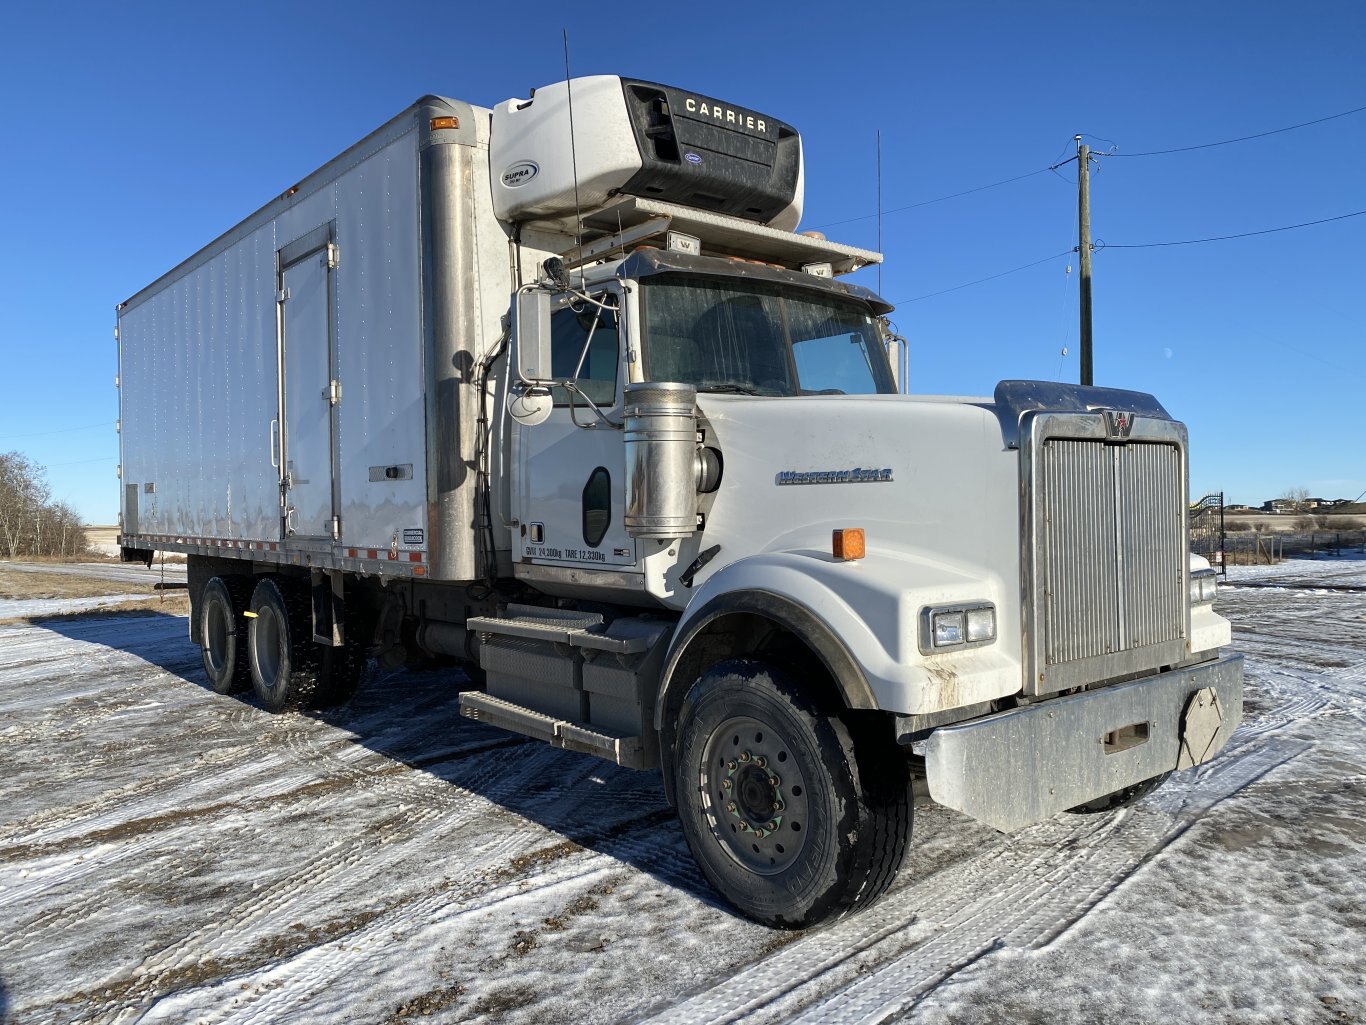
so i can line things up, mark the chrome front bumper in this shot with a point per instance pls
(1018, 767)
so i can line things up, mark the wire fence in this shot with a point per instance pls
(1249, 548)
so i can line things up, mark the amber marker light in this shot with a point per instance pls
(847, 544)
(439, 123)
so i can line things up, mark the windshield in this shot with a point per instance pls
(755, 338)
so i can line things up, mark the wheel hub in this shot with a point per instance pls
(756, 813)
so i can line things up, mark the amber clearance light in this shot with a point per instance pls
(847, 544)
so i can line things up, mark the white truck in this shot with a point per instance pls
(557, 390)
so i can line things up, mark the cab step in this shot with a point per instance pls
(586, 630)
(571, 736)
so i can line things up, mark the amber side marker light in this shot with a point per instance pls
(847, 544)
(439, 123)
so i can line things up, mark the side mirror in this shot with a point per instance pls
(532, 333)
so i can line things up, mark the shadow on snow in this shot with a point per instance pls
(414, 717)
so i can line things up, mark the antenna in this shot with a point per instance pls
(573, 149)
(879, 209)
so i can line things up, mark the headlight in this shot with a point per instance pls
(1204, 584)
(945, 627)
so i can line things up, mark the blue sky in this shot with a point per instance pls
(136, 132)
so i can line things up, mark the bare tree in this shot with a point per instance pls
(1298, 499)
(30, 523)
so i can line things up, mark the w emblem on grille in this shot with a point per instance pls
(1118, 424)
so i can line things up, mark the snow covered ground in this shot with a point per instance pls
(15, 608)
(116, 572)
(170, 855)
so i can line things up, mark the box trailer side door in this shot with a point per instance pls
(309, 393)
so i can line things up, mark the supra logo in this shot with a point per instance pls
(520, 173)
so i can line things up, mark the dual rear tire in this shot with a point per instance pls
(262, 638)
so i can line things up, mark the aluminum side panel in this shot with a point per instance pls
(200, 382)
(198, 394)
(379, 350)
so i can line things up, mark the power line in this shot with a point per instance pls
(937, 199)
(83, 462)
(993, 277)
(1145, 245)
(64, 430)
(1241, 138)
(1224, 238)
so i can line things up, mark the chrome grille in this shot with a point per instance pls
(1111, 556)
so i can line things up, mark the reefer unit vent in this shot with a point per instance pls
(641, 139)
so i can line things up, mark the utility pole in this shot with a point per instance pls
(1084, 252)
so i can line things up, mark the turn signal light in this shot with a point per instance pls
(439, 123)
(847, 544)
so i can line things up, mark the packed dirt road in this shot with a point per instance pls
(171, 855)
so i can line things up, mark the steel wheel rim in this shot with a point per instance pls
(216, 630)
(266, 647)
(760, 824)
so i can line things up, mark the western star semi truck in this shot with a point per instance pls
(556, 390)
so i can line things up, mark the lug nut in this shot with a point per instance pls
(744, 756)
(744, 826)
(777, 805)
(731, 807)
(761, 761)
(774, 781)
(731, 765)
(725, 784)
(773, 825)
(760, 833)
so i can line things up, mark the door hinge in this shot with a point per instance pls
(336, 528)
(333, 255)
(282, 295)
(333, 392)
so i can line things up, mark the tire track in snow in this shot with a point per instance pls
(225, 946)
(1028, 890)
(278, 990)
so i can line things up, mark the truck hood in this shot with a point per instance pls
(926, 475)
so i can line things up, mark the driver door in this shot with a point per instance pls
(571, 468)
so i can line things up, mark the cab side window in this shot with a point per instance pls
(570, 331)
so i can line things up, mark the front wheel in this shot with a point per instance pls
(795, 813)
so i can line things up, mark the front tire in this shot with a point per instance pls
(284, 660)
(795, 813)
